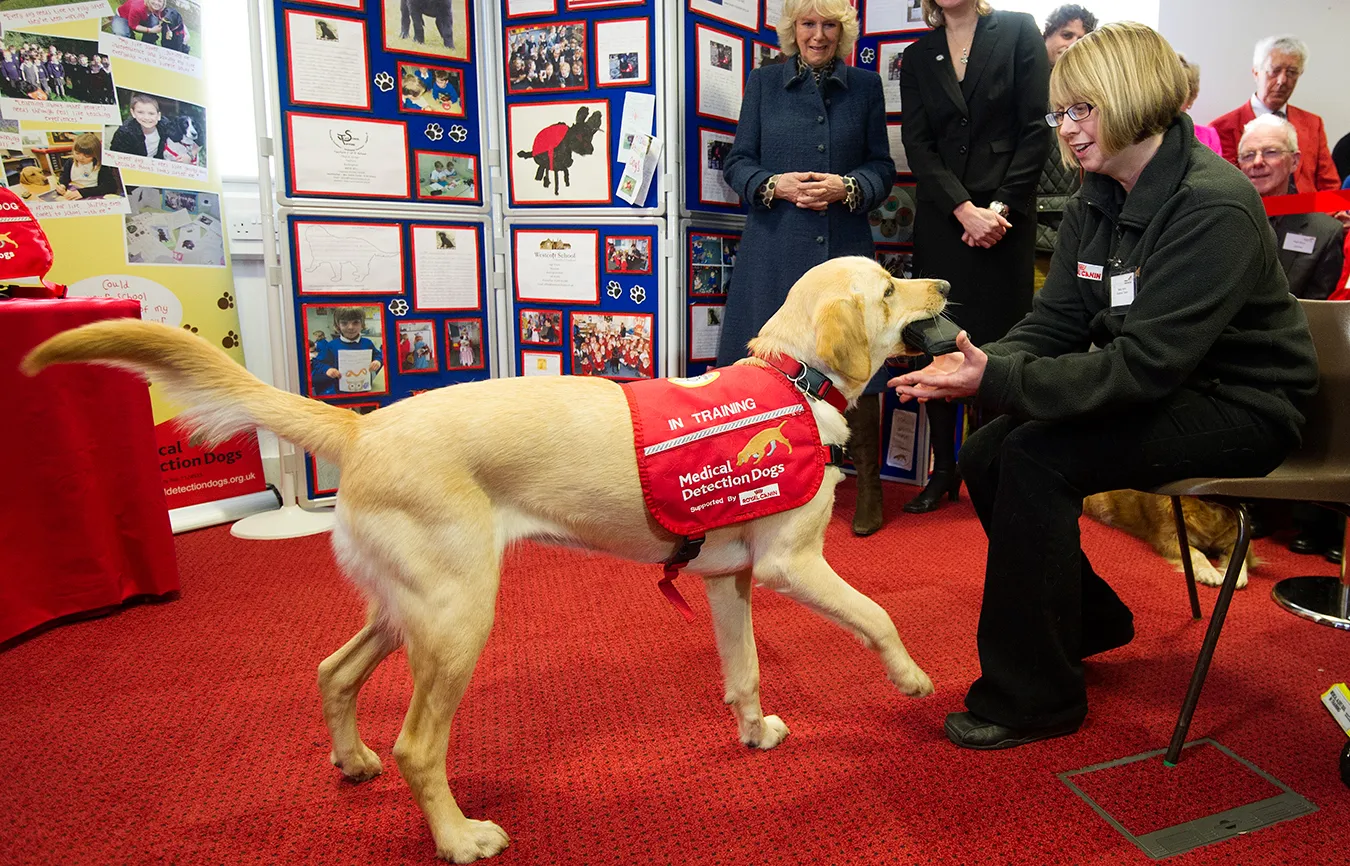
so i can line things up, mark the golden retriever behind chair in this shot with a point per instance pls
(1211, 530)
(436, 486)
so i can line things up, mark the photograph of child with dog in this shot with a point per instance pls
(612, 345)
(174, 25)
(61, 174)
(55, 78)
(158, 132)
(437, 28)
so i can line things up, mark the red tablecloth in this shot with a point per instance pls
(83, 524)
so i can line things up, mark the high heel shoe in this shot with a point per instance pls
(940, 482)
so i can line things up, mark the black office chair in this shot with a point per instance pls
(1319, 472)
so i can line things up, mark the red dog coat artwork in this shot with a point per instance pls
(730, 445)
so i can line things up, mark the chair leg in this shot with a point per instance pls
(1211, 636)
(1185, 557)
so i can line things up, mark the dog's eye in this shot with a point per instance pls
(890, 290)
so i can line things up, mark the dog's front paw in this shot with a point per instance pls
(913, 682)
(363, 764)
(472, 841)
(770, 733)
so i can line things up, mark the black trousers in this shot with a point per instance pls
(1027, 480)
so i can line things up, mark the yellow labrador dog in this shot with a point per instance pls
(436, 486)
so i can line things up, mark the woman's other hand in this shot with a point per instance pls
(820, 190)
(790, 186)
(957, 374)
(984, 228)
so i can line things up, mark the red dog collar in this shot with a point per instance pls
(808, 380)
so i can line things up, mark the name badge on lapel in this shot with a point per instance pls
(1089, 272)
(1122, 289)
(1299, 243)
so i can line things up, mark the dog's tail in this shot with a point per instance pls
(223, 398)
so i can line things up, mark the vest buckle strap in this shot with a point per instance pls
(683, 555)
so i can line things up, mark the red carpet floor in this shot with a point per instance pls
(190, 732)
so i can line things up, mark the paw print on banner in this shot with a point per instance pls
(638, 294)
(230, 340)
(226, 301)
(190, 328)
(434, 131)
(867, 55)
(385, 82)
(398, 307)
(614, 290)
(458, 133)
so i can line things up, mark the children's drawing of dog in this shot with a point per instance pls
(555, 145)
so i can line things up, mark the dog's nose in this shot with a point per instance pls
(943, 287)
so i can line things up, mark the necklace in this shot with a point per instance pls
(965, 55)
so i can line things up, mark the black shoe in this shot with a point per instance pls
(943, 482)
(1308, 544)
(969, 731)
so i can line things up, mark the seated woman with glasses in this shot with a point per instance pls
(1166, 264)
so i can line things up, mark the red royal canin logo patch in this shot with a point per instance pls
(734, 444)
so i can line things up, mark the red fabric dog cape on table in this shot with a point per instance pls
(733, 444)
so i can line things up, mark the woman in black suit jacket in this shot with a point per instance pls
(973, 94)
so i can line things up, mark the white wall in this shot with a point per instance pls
(1220, 36)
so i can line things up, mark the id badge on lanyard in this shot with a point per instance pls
(1122, 287)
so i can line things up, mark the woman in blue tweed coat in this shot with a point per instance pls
(811, 158)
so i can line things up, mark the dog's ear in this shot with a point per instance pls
(841, 338)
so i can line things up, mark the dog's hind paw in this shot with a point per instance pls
(473, 841)
(358, 767)
(772, 731)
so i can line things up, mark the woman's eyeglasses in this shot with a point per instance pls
(1076, 112)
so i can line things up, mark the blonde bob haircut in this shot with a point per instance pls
(1131, 76)
(933, 17)
(839, 11)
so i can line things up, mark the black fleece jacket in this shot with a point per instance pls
(1212, 310)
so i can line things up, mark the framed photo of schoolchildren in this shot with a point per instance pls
(346, 350)
(326, 60)
(714, 145)
(763, 54)
(348, 258)
(417, 346)
(705, 331)
(446, 176)
(536, 363)
(433, 89)
(446, 272)
(622, 53)
(559, 152)
(464, 344)
(158, 134)
(712, 258)
(527, 8)
(742, 13)
(323, 474)
(541, 327)
(612, 345)
(55, 79)
(434, 28)
(547, 58)
(889, 57)
(628, 255)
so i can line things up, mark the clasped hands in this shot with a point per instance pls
(810, 189)
(956, 374)
(983, 227)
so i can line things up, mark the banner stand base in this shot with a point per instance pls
(205, 514)
(289, 522)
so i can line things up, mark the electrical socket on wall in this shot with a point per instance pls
(247, 227)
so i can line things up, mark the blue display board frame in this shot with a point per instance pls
(528, 114)
(430, 135)
(400, 379)
(621, 292)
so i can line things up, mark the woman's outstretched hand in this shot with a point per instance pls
(956, 374)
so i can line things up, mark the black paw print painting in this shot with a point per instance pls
(226, 301)
(190, 328)
(230, 340)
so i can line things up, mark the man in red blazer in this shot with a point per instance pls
(1277, 64)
